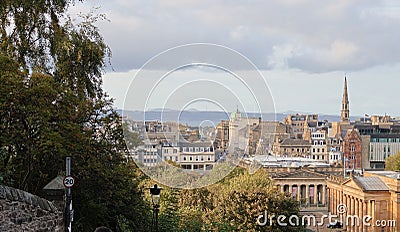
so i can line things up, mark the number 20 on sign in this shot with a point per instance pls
(69, 181)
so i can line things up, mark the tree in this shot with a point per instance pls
(232, 204)
(238, 202)
(392, 163)
(52, 106)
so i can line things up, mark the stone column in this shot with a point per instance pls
(334, 201)
(329, 205)
(352, 211)
(315, 194)
(365, 212)
(360, 214)
(348, 212)
(373, 210)
(323, 194)
(331, 200)
(357, 225)
(307, 194)
(282, 188)
(377, 214)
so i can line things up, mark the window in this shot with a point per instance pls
(166, 151)
(190, 158)
(184, 158)
(175, 151)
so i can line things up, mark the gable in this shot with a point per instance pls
(350, 183)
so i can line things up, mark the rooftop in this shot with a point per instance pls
(371, 183)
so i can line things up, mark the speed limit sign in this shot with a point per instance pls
(69, 181)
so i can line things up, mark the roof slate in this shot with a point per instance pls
(371, 183)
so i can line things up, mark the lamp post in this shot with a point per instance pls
(155, 199)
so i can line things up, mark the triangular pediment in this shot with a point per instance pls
(350, 183)
(301, 174)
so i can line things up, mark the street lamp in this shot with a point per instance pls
(155, 199)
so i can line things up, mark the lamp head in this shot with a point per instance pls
(155, 194)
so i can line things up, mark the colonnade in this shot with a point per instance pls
(352, 210)
(308, 194)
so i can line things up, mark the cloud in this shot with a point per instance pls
(310, 35)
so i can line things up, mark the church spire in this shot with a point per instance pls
(344, 116)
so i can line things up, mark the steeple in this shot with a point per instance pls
(344, 116)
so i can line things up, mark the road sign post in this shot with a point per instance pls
(68, 182)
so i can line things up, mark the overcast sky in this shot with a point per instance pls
(303, 48)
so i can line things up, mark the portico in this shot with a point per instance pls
(308, 187)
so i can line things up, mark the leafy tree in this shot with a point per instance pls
(238, 202)
(52, 106)
(392, 163)
(232, 204)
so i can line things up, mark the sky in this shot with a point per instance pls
(301, 48)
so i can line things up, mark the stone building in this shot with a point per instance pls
(292, 147)
(319, 147)
(263, 135)
(190, 155)
(239, 126)
(299, 122)
(307, 186)
(222, 135)
(376, 194)
(352, 150)
(22, 211)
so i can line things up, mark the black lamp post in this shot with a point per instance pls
(155, 199)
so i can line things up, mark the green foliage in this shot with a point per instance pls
(238, 201)
(392, 163)
(52, 106)
(232, 204)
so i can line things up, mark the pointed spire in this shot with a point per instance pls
(344, 116)
(345, 95)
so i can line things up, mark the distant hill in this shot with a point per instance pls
(194, 117)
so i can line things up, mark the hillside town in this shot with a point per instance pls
(322, 164)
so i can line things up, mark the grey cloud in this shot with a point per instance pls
(310, 35)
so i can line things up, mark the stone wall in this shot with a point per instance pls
(22, 211)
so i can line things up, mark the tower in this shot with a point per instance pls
(344, 116)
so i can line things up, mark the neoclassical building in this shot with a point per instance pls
(306, 186)
(375, 195)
